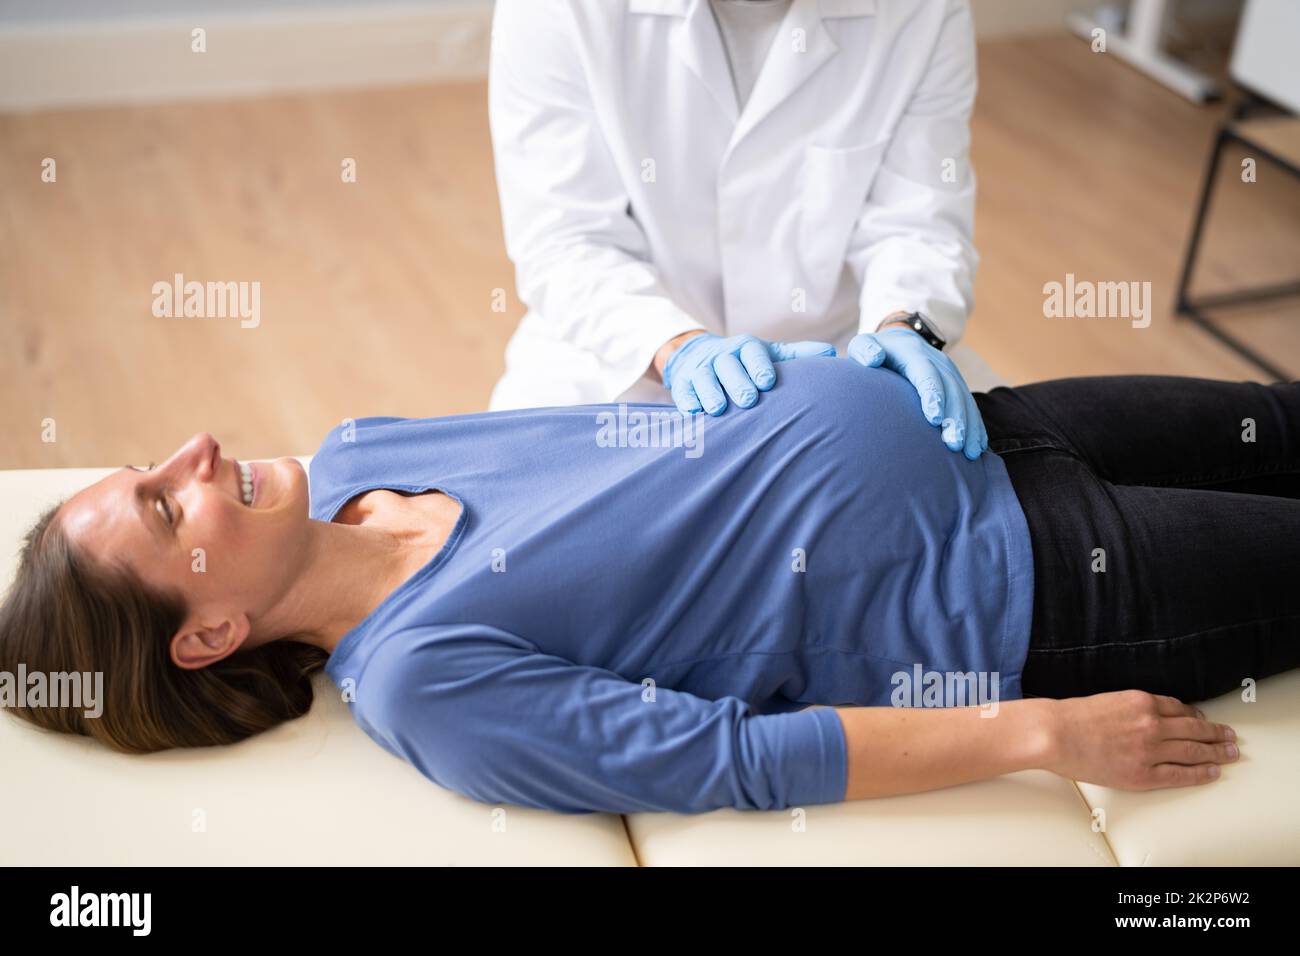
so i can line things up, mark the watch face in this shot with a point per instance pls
(926, 330)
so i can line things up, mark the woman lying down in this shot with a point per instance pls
(809, 602)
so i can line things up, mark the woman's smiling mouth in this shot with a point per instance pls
(246, 482)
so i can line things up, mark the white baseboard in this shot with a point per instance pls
(115, 61)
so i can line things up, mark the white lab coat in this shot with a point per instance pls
(639, 203)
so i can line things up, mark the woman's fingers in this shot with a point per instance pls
(1192, 748)
(1193, 752)
(1177, 775)
(1194, 728)
(1173, 707)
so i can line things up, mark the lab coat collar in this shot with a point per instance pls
(827, 8)
(697, 41)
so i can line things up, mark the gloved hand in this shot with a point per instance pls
(707, 369)
(946, 400)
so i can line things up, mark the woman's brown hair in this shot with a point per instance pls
(67, 613)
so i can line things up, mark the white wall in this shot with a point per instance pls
(72, 11)
(80, 53)
(69, 53)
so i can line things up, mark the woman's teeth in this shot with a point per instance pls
(246, 482)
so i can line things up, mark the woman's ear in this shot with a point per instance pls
(197, 644)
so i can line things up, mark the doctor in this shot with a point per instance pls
(688, 185)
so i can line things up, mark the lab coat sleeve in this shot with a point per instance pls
(581, 260)
(913, 245)
(480, 711)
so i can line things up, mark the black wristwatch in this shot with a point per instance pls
(919, 324)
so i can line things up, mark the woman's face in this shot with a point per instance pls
(183, 526)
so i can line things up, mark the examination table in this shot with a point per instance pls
(318, 791)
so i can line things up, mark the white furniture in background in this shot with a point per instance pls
(1266, 52)
(1138, 43)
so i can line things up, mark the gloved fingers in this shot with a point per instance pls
(753, 355)
(927, 379)
(979, 417)
(976, 437)
(786, 351)
(954, 425)
(735, 380)
(708, 390)
(865, 349)
(684, 397)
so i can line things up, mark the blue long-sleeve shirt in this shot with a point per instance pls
(629, 619)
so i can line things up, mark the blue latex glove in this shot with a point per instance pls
(946, 400)
(704, 371)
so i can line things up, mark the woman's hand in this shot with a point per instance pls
(946, 400)
(1132, 740)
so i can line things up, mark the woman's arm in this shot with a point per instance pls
(1131, 740)
(894, 750)
(481, 711)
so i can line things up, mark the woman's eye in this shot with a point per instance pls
(166, 509)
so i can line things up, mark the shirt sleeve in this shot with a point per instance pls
(480, 711)
(581, 260)
(913, 245)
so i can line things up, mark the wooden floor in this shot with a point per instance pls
(377, 296)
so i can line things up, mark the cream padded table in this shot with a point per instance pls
(318, 791)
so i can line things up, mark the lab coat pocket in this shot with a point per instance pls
(835, 183)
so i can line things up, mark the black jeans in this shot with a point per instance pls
(1166, 547)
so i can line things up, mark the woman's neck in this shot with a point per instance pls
(352, 567)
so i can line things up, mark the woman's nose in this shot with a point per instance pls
(200, 456)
